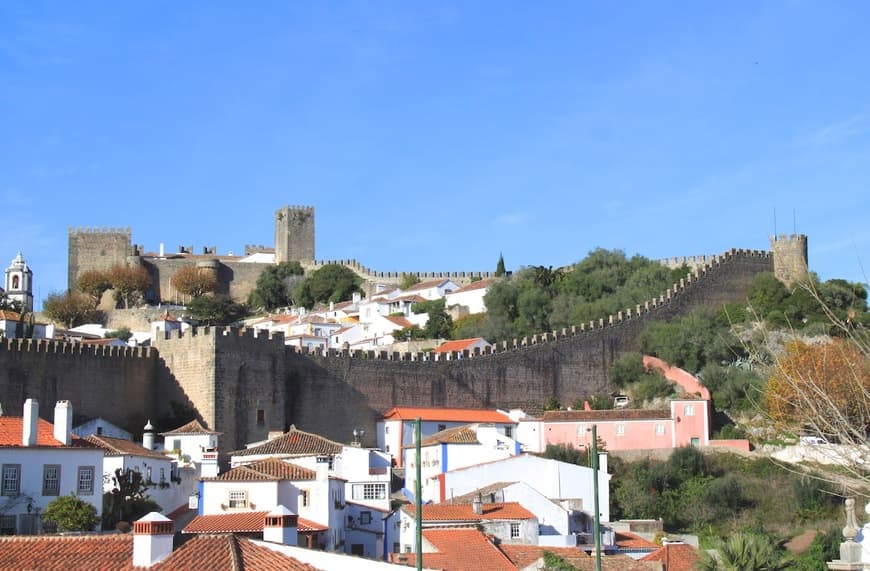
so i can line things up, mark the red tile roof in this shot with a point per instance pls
(228, 552)
(465, 512)
(479, 284)
(524, 555)
(675, 557)
(11, 433)
(192, 427)
(400, 321)
(597, 415)
(458, 345)
(121, 447)
(459, 550)
(243, 522)
(447, 414)
(628, 540)
(269, 469)
(9, 315)
(457, 435)
(66, 552)
(426, 285)
(294, 442)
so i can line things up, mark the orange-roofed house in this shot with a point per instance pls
(509, 522)
(42, 461)
(396, 427)
(459, 346)
(457, 549)
(675, 557)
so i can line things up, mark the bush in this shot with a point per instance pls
(627, 369)
(71, 514)
(651, 386)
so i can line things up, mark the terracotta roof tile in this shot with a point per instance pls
(122, 447)
(524, 555)
(457, 345)
(460, 550)
(243, 522)
(294, 442)
(675, 557)
(265, 470)
(9, 315)
(11, 432)
(400, 321)
(227, 552)
(628, 540)
(465, 512)
(66, 552)
(426, 285)
(479, 284)
(192, 427)
(447, 414)
(457, 435)
(595, 415)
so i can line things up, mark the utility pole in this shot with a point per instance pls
(418, 500)
(596, 528)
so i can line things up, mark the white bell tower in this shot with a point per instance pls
(19, 283)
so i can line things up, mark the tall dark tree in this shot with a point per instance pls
(499, 267)
(275, 285)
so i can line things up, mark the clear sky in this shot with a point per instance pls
(432, 136)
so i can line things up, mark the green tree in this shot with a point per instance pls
(692, 341)
(627, 369)
(499, 266)
(745, 551)
(71, 514)
(70, 309)
(408, 280)
(122, 333)
(94, 283)
(216, 310)
(440, 324)
(276, 285)
(331, 283)
(129, 282)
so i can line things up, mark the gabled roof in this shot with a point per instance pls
(524, 555)
(122, 447)
(675, 556)
(227, 552)
(66, 552)
(459, 549)
(479, 284)
(426, 285)
(11, 432)
(599, 415)
(628, 540)
(483, 491)
(294, 442)
(458, 435)
(465, 512)
(446, 414)
(400, 321)
(192, 427)
(243, 522)
(458, 345)
(270, 469)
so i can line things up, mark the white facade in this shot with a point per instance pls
(433, 289)
(191, 447)
(101, 427)
(19, 283)
(470, 297)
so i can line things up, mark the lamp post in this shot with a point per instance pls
(596, 526)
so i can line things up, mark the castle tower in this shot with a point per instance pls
(790, 264)
(95, 249)
(19, 283)
(294, 234)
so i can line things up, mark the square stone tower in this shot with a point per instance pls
(790, 258)
(96, 249)
(294, 234)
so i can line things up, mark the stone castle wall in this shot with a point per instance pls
(790, 258)
(96, 249)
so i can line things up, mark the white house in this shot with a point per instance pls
(395, 429)
(101, 427)
(452, 449)
(432, 289)
(469, 298)
(41, 462)
(194, 444)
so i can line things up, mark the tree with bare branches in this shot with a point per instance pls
(194, 281)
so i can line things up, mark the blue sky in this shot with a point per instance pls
(433, 135)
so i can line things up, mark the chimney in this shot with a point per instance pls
(477, 505)
(30, 422)
(63, 421)
(152, 539)
(281, 527)
(162, 251)
(148, 436)
(356, 297)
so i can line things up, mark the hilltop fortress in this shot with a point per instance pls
(245, 385)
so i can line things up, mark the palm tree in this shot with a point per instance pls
(744, 552)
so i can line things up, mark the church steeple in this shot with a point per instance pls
(19, 283)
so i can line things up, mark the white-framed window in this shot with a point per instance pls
(660, 428)
(509, 431)
(238, 499)
(51, 480)
(620, 429)
(365, 518)
(689, 410)
(581, 429)
(85, 481)
(303, 498)
(515, 530)
(369, 491)
(11, 479)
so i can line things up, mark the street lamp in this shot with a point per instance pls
(596, 526)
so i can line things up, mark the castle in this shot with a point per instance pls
(245, 386)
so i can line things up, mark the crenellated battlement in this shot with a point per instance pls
(104, 231)
(73, 348)
(396, 277)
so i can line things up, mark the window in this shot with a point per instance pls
(386, 430)
(689, 410)
(261, 417)
(162, 475)
(86, 481)
(238, 499)
(148, 475)
(395, 547)
(303, 498)
(176, 444)
(11, 479)
(387, 448)
(581, 429)
(509, 431)
(365, 518)
(620, 429)
(51, 480)
(7, 525)
(369, 491)
(515, 530)
(660, 428)
(442, 427)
